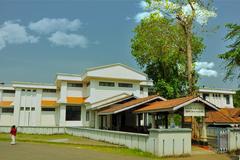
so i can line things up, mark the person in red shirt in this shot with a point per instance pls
(13, 134)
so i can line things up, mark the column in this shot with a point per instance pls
(17, 103)
(96, 120)
(63, 92)
(62, 115)
(204, 132)
(38, 108)
(172, 122)
(166, 120)
(153, 120)
(83, 115)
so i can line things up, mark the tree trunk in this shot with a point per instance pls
(189, 61)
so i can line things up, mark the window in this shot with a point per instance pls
(126, 85)
(73, 113)
(7, 110)
(28, 90)
(48, 109)
(21, 108)
(27, 108)
(8, 91)
(141, 88)
(87, 116)
(108, 84)
(227, 99)
(49, 90)
(32, 109)
(75, 85)
(34, 90)
(205, 95)
(23, 90)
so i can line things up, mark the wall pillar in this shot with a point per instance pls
(38, 108)
(153, 120)
(166, 120)
(204, 132)
(62, 115)
(17, 103)
(96, 120)
(172, 122)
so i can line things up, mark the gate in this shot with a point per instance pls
(222, 140)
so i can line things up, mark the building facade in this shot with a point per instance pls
(65, 103)
(221, 98)
(100, 97)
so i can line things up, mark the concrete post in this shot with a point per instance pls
(62, 115)
(153, 120)
(204, 132)
(172, 122)
(38, 109)
(17, 103)
(96, 120)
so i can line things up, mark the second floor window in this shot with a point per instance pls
(227, 99)
(50, 90)
(8, 91)
(126, 85)
(108, 84)
(75, 85)
(205, 95)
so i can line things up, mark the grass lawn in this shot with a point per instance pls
(79, 142)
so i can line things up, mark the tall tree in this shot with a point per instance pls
(185, 12)
(158, 47)
(232, 56)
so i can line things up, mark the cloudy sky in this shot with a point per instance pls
(39, 38)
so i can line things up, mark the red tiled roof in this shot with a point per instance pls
(118, 107)
(225, 115)
(219, 117)
(231, 112)
(165, 104)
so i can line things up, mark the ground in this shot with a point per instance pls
(65, 147)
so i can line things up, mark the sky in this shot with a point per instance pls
(39, 38)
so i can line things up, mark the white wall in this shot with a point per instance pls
(6, 119)
(8, 96)
(98, 93)
(219, 101)
(48, 118)
(49, 96)
(118, 72)
(74, 92)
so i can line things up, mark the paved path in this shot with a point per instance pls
(31, 151)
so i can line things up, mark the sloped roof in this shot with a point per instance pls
(110, 101)
(115, 64)
(128, 105)
(219, 117)
(173, 104)
(231, 112)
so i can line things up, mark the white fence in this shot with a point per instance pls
(160, 142)
(233, 139)
(224, 139)
(34, 130)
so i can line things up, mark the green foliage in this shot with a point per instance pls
(159, 47)
(232, 56)
(236, 99)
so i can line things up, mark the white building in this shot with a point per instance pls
(77, 99)
(65, 103)
(221, 98)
